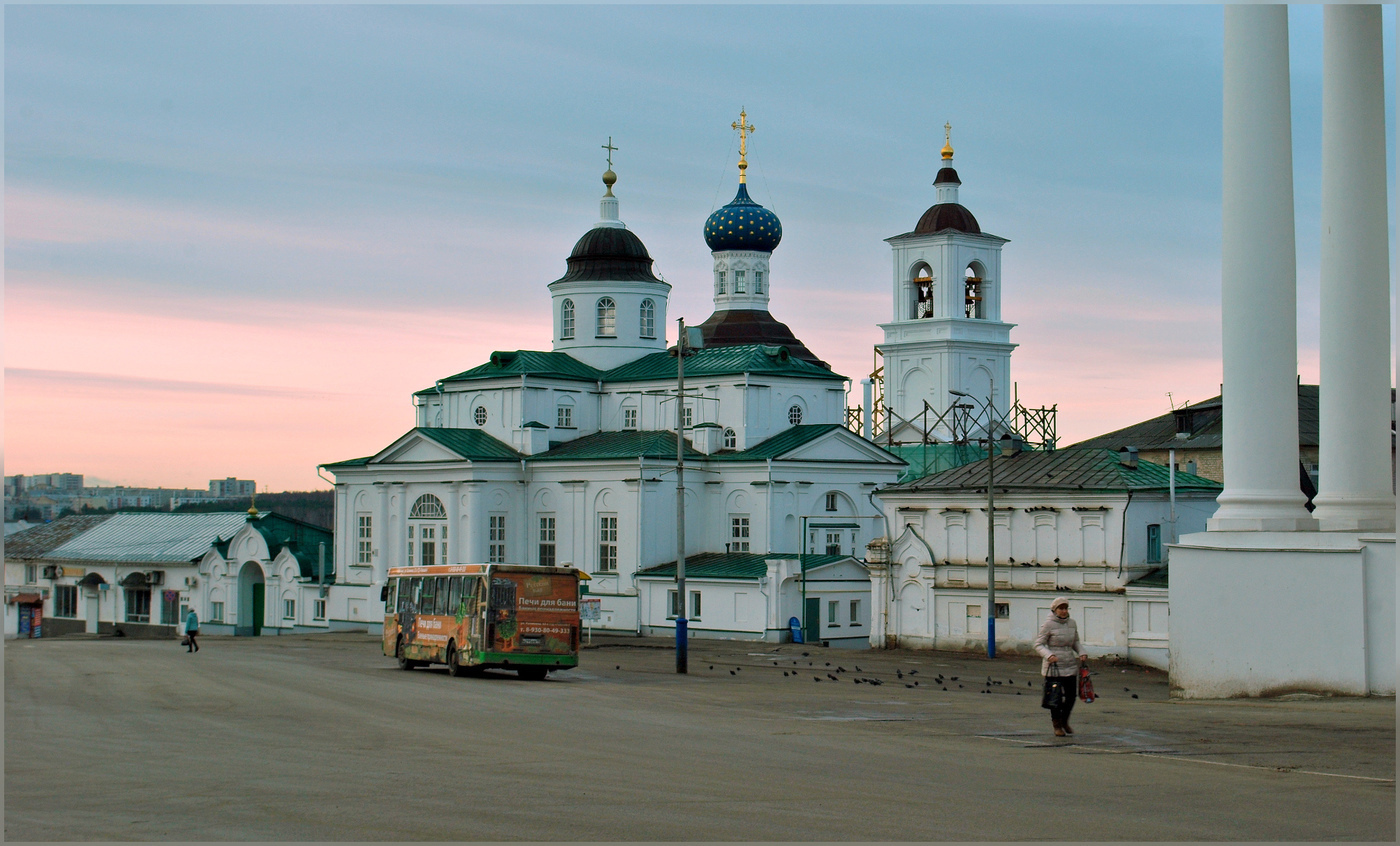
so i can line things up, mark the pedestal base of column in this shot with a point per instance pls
(1341, 513)
(1261, 511)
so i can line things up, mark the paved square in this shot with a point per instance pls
(320, 737)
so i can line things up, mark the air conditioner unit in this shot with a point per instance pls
(191, 581)
(156, 577)
(52, 571)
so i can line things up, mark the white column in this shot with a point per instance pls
(1354, 490)
(1258, 275)
(454, 525)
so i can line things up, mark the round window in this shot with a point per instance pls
(480, 415)
(795, 415)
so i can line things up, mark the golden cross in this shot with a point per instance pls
(947, 134)
(611, 149)
(744, 128)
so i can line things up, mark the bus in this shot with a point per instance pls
(473, 617)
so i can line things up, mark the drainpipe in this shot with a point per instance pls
(888, 600)
(1123, 534)
(442, 406)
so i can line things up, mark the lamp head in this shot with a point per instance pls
(957, 393)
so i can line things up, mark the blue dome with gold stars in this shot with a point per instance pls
(743, 225)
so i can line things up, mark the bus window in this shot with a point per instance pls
(407, 589)
(427, 596)
(454, 595)
(502, 594)
(441, 595)
(388, 596)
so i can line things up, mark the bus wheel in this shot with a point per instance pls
(454, 669)
(404, 663)
(532, 673)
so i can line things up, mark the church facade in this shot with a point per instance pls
(567, 456)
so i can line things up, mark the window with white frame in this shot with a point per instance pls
(289, 609)
(566, 415)
(758, 281)
(427, 541)
(607, 543)
(547, 540)
(695, 605)
(629, 418)
(479, 415)
(739, 533)
(855, 612)
(365, 550)
(731, 439)
(428, 506)
(566, 324)
(648, 321)
(795, 415)
(833, 608)
(496, 539)
(688, 417)
(833, 543)
(738, 281)
(673, 604)
(138, 605)
(216, 612)
(318, 609)
(719, 282)
(831, 501)
(607, 318)
(411, 543)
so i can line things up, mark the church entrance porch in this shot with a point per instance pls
(251, 596)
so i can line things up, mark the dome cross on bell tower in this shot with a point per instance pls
(744, 127)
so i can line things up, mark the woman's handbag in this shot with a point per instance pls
(184, 641)
(1086, 687)
(1054, 695)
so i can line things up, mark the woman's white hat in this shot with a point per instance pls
(1059, 600)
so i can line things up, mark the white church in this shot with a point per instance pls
(567, 456)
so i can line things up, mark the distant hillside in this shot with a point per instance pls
(314, 507)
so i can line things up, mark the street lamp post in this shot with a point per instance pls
(683, 348)
(991, 525)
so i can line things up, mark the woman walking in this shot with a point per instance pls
(1058, 643)
(192, 631)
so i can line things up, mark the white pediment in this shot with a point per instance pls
(414, 448)
(840, 445)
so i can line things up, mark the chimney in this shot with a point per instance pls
(1128, 457)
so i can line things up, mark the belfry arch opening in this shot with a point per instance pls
(921, 291)
(975, 291)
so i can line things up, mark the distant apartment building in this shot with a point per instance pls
(19, 484)
(232, 488)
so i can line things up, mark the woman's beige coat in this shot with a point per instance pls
(1059, 638)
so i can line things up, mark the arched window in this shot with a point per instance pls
(566, 320)
(607, 318)
(731, 439)
(795, 415)
(921, 281)
(974, 293)
(648, 319)
(428, 507)
(480, 415)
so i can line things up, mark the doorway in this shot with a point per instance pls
(251, 592)
(812, 619)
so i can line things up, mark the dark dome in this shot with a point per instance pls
(609, 253)
(946, 175)
(743, 225)
(947, 216)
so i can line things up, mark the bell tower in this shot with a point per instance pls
(946, 333)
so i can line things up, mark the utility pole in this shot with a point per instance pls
(681, 623)
(991, 522)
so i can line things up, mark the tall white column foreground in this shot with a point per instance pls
(1354, 492)
(1259, 308)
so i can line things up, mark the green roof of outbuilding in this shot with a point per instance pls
(556, 365)
(1060, 470)
(735, 565)
(1155, 579)
(300, 538)
(349, 462)
(720, 361)
(616, 445)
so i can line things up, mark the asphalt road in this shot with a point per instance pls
(321, 738)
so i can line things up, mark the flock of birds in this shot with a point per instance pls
(939, 681)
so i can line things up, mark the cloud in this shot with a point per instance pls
(76, 380)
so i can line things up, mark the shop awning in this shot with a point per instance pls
(25, 599)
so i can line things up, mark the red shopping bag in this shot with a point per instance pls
(1086, 687)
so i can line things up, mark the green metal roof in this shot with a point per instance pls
(1155, 579)
(617, 445)
(1063, 469)
(301, 539)
(720, 361)
(780, 444)
(349, 462)
(735, 565)
(556, 365)
(471, 444)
